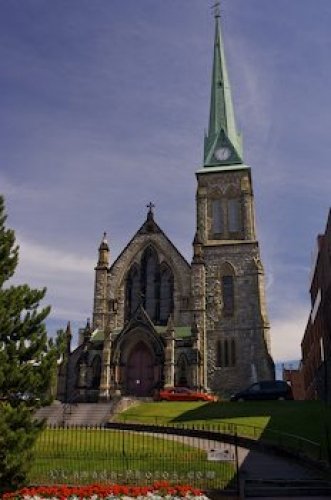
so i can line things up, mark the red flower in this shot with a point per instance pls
(63, 492)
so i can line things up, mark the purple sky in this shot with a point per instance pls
(103, 108)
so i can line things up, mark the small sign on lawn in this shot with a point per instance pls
(220, 456)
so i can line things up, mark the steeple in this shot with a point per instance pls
(222, 143)
(103, 260)
(87, 331)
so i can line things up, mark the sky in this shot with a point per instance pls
(103, 109)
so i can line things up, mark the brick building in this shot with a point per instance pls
(316, 343)
(294, 377)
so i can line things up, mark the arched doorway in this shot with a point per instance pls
(140, 371)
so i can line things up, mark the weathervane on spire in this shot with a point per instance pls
(217, 9)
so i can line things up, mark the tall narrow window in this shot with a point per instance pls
(219, 353)
(132, 291)
(135, 290)
(226, 353)
(150, 271)
(233, 216)
(228, 295)
(217, 217)
(166, 294)
(233, 352)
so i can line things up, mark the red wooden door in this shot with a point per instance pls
(140, 371)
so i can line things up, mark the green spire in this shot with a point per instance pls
(222, 143)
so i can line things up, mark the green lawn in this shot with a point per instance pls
(100, 455)
(103, 455)
(305, 419)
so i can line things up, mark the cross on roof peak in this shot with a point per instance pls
(216, 8)
(150, 206)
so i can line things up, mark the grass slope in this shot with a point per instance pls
(302, 418)
(78, 456)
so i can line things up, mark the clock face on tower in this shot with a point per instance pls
(223, 153)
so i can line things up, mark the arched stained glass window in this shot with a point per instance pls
(150, 282)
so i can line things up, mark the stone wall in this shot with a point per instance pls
(246, 329)
(248, 326)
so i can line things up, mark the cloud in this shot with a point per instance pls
(287, 333)
(68, 278)
(38, 257)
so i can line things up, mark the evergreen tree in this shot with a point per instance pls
(27, 364)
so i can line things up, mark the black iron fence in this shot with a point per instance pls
(292, 443)
(126, 456)
(202, 455)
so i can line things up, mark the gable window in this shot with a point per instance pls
(228, 295)
(151, 284)
(233, 216)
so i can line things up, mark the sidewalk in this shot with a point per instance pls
(262, 466)
(257, 465)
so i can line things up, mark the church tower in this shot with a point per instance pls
(231, 311)
(159, 321)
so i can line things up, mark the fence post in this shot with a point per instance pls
(237, 460)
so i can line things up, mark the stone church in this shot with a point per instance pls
(160, 321)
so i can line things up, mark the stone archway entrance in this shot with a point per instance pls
(140, 371)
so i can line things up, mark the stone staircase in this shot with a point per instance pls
(86, 414)
(52, 413)
(80, 414)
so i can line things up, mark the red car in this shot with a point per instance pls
(183, 394)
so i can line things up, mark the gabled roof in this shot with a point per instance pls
(150, 227)
(139, 317)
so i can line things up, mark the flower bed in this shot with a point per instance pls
(161, 490)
